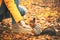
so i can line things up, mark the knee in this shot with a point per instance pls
(22, 10)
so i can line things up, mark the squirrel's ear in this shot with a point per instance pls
(0, 2)
(34, 20)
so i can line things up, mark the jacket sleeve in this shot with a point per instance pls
(13, 10)
(0, 2)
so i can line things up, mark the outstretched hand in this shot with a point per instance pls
(24, 25)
